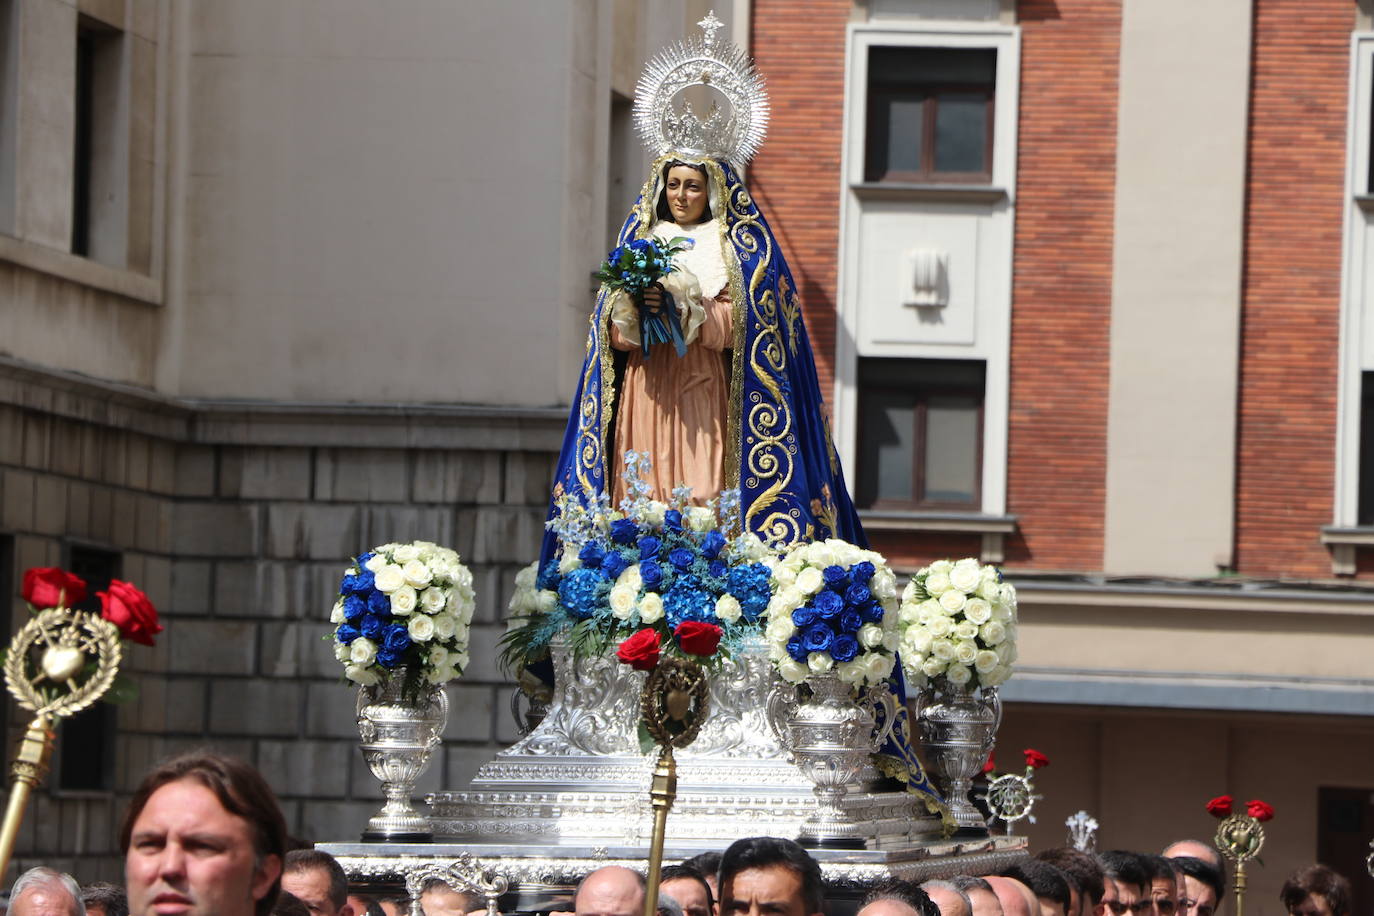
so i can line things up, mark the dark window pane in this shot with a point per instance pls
(905, 117)
(1365, 513)
(961, 128)
(932, 66)
(951, 450)
(85, 757)
(885, 460)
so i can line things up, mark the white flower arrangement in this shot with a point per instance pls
(404, 605)
(833, 609)
(958, 626)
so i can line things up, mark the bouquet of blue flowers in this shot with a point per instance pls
(634, 267)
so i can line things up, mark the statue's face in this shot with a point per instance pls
(686, 193)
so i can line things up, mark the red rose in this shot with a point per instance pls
(48, 586)
(640, 651)
(989, 766)
(1035, 760)
(129, 609)
(1220, 806)
(1260, 811)
(697, 638)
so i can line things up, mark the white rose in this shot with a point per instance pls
(819, 662)
(965, 651)
(1002, 611)
(780, 629)
(940, 627)
(433, 599)
(910, 613)
(336, 615)
(917, 639)
(754, 548)
(965, 630)
(728, 609)
(883, 584)
(569, 561)
(361, 675)
(937, 583)
(810, 580)
(460, 634)
(375, 562)
(1009, 596)
(891, 639)
(441, 675)
(958, 675)
(438, 656)
(943, 649)
(929, 609)
(996, 676)
(462, 601)
(403, 600)
(792, 671)
(992, 632)
(653, 514)
(404, 553)
(966, 575)
(820, 554)
(341, 652)
(630, 578)
(851, 672)
(623, 602)
(1007, 651)
(421, 628)
(847, 554)
(651, 608)
(985, 661)
(977, 610)
(878, 666)
(953, 601)
(785, 576)
(870, 636)
(547, 600)
(388, 578)
(933, 667)
(942, 566)
(795, 559)
(700, 518)
(362, 651)
(989, 589)
(526, 576)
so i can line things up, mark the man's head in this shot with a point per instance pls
(898, 898)
(203, 836)
(104, 899)
(45, 892)
(1316, 891)
(1202, 886)
(769, 875)
(1125, 886)
(1046, 882)
(438, 898)
(1164, 884)
(1197, 849)
(980, 895)
(1083, 874)
(318, 881)
(950, 900)
(708, 863)
(1015, 897)
(610, 891)
(688, 887)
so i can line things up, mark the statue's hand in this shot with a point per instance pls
(653, 298)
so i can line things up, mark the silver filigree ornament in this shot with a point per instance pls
(666, 122)
(1082, 831)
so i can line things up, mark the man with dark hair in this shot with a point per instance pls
(898, 898)
(1046, 882)
(708, 863)
(1125, 888)
(980, 895)
(768, 875)
(1196, 849)
(1083, 874)
(317, 881)
(950, 900)
(1164, 881)
(1202, 886)
(203, 836)
(610, 891)
(688, 887)
(105, 899)
(1316, 891)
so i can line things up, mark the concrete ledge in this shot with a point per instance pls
(83, 271)
(992, 528)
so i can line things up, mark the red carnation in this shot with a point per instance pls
(129, 609)
(1220, 806)
(989, 766)
(640, 651)
(48, 586)
(697, 638)
(1260, 811)
(1035, 760)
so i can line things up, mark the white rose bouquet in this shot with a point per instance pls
(833, 609)
(958, 626)
(404, 606)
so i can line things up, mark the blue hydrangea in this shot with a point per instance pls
(581, 591)
(681, 604)
(750, 586)
(844, 648)
(548, 576)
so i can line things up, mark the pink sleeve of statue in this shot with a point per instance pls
(716, 333)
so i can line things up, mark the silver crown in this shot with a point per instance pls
(667, 124)
(1082, 831)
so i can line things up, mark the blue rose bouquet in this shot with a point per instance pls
(404, 606)
(634, 267)
(834, 609)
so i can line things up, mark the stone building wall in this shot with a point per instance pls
(237, 522)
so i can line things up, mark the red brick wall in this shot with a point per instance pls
(1290, 332)
(1061, 288)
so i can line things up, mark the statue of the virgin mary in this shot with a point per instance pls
(740, 410)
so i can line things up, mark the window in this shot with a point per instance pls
(1366, 509)
(99, 181)
(930, 113)
(920, 433)
(86, 750)
(1345, 818)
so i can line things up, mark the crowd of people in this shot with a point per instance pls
(204, 836)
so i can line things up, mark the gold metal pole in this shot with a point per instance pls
(662, 793)
(29, 769)
(1240, 887)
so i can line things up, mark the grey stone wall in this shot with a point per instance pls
(238, 521)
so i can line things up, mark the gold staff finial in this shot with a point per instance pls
(1240, 837)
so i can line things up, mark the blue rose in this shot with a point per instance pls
(374, 628)
(862, 572)
(624, 531)
(649, 547)
(397, 638)
(828, 604)
(652, 574)
(718, 569)
(844, 648)
(850, 621)
(796, 649)
(712, 544)
(346, 633)
(804, 616)
(388, 658)
(379, 603)
(857, 595)
(354, 608)
(834, 575)
(591, 554)
(817, 638)
(681, 558)
(359, 584)
(614, 565)
(872, 612)
(548, 576)
(672, 520)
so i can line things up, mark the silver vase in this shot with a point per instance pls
(958, 730)
(831, 736)
(399, 734)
